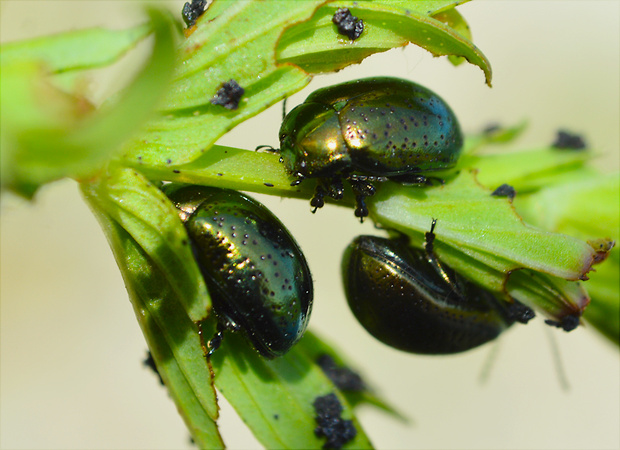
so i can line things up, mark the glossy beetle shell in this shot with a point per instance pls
(375, 126)
(403, 300)
(257, 276)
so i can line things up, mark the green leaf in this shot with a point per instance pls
(604, 310)
(233, 40)
(48, 134)
(314, 347)
(151, 220)
(493, 134)
(479, 235)
(453, 19)
(528, 170)
(316, 47)
(488, 240)
(586, 206)
(275, 397)
(237, 41)
(171, 335)
(490, 231)
(169, 295)
(75, 50)
(233, 168)
(555, 297)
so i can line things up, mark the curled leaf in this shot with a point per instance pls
(48, 134)
(316, 47)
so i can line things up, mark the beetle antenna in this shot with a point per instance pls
(429, 247)
(284, 108)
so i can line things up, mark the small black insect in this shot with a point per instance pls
(331, 425)
(192, 11)
(568, 141)
(348, 24)
(228, 95)
(505, 190)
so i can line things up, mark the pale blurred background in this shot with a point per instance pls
(72, 351)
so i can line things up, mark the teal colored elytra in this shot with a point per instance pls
(365, 131)
(409, 300)
(256, 274)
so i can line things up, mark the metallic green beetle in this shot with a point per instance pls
(365, 131)
(409, 300)
(257, 276)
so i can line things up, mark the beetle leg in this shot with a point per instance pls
(267, 148)
(361, 210)
(317, 200)
(362, 187)
(335, 188)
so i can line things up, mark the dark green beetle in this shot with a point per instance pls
(410, 301)
(365, 131)
(257, 276)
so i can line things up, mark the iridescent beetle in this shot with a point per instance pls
(409, 300)
(365, 131)
(256, 274)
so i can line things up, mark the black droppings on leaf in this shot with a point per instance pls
(520, 313)
(331, 425)
(568, 141)
(192, 11)
(343, 377)
(150, 363)
(228, 95)
(268, 184)
(567, 323)
(348, 24)
(505, 190)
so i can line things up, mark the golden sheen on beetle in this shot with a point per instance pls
(365, 131)
(256, 274)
